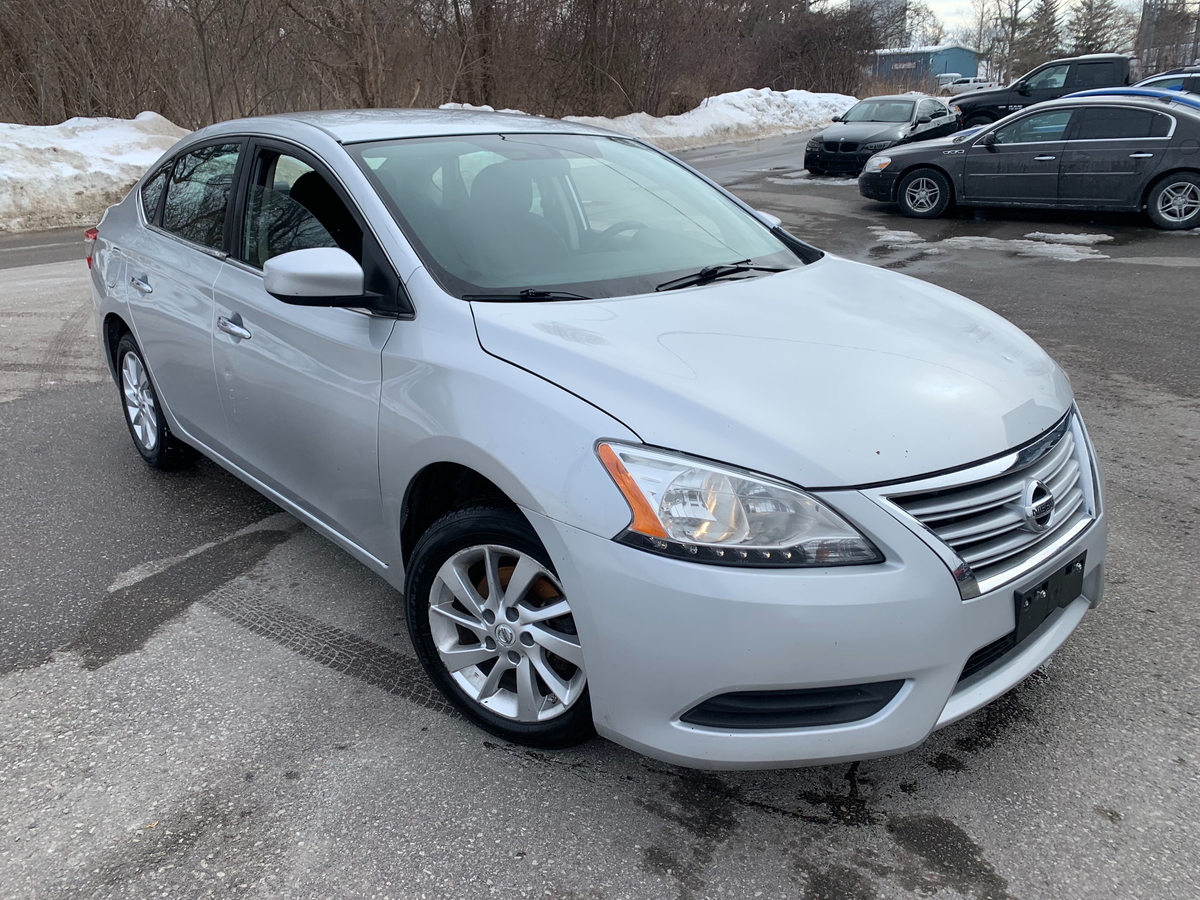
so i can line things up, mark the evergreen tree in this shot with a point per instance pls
(1096, 26)
(1040, 37)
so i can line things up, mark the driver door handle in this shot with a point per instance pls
(230, 327)
(141, 285)
(1141, 154)
(1044, 158)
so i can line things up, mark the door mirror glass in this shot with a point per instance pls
(318, 276)
(837, 118)
(924, 120)
(1023, 88)
(989, 139)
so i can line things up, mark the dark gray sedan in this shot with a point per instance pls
(1116, 148)
(875, 124)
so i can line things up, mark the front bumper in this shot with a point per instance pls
(836, 163)
(661, 635)
(877, 185)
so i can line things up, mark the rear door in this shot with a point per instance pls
(300, 385)
(1021, 166)
(1110, 153)
(171, 266)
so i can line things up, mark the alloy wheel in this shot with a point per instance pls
(140, 408)
(922, 194)
(504, 631)
(1179, 202)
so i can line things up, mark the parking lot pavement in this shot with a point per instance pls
(201, 697)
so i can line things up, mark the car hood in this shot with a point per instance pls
(979, 98)
(863, 132)
(832, 374)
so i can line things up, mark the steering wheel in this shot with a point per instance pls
(605, 237)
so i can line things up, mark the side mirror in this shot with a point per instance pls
(924, 120)
(772, 221)
(988, 140)
(1022, 88)
(319, 276)
(837, 119)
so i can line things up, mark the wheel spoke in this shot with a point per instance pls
(455, 578)
(446, 611)
(558, 645)
(491, 566)
(529, 701)
(492, 683)
(524, 575)
(554, 681)
(129, 389)
(461, 657)
(553, 611)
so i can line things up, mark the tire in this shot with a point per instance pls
(143, 414)
(924, 194)
(1174, 201)
(510, 683)
(816, 173)
(975, 121)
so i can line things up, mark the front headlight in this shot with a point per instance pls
(956, 109)
(878, 145)
(877, 163)
(705, 512)
(814, 144)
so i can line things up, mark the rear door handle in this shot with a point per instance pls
(1044, 158)
(1140, 155)
(230, 327)
(141, 285)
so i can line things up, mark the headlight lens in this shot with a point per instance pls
(877, 163)
(814, 144)
(956, 109)
(704, 512)
(878, 145)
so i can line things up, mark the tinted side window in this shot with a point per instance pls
(1097, 74)
(1098, 123)
(198, 194)
(1052, 77)
(1047, 126)
(151, 192)
(282, 209)
(930, 108)
(1170, 83)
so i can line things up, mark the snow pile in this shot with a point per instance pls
(68, 174)
(1046, 246)
(738, 116)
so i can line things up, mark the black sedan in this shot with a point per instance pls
(1115, 148)
(872, 125)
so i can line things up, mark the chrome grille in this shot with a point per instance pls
(979, 512)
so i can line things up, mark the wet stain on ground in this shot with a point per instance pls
(944, 762)
(845, 808)
(992, 722)
(838, 883)
(129, 617)
(950, 857)
(1111, 814)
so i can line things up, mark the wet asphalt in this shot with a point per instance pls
(201, 697)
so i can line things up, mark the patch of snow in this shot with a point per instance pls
(745, 115)
(485, 108)
(68, 174)
(910, 240)
(791, 178)
(1079, 239)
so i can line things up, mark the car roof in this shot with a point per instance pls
(1146, 98)
(916, 95)
(350, 126)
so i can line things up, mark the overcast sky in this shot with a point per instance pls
(953, 12)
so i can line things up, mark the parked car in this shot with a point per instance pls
(1185, 79)
(946, 78)
(1115, 148)
(640, 460)
(1048, 81)
(872, 125)
(966, 85)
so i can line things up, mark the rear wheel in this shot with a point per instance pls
(494, 630)
(924, 194)
(1174, 202)
(143, 415)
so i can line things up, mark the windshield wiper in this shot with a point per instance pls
(527, 294)
(711, 273)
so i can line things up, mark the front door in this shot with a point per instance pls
(1018, 162)
(1111, 153)
(300, 385)
(171, 267)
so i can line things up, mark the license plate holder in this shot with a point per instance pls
(1034, 605)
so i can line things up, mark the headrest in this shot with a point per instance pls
(503, 188)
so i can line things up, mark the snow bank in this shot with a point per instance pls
(738, 116)
(1076, 247)
(58, 175)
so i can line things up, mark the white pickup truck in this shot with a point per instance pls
(963, 85)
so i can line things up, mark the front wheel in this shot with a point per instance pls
(1174, 203)
(494, 629)
(924, 194)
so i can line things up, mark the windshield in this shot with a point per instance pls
(593, 216)
(880, 111)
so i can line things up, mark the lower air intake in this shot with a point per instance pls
(806, 708)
